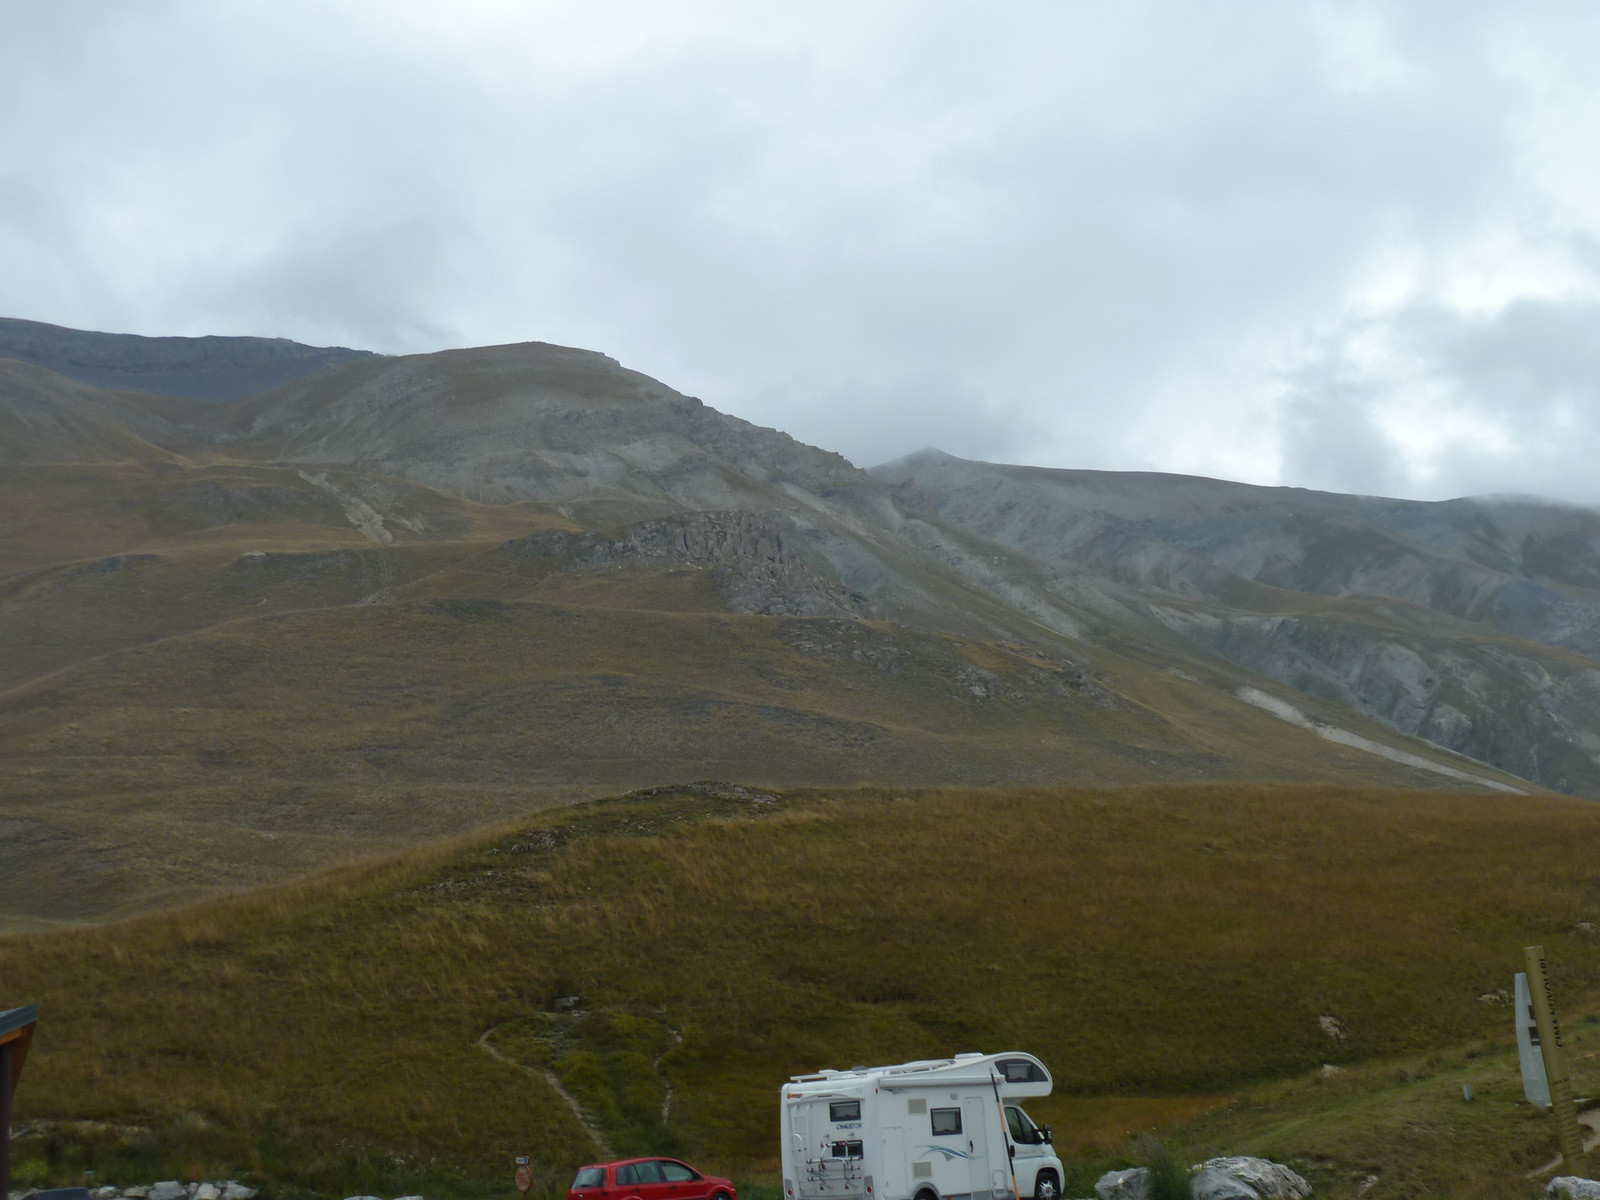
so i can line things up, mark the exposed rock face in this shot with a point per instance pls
(1521, 567)
(199, 368)
(1572, 1187)
(1132, 1184)
(757, 561)
(1262, 1177)
(1521, 708)
(172, 1190)
(1473, 624)
(1212, 1184)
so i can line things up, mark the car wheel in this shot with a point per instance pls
(925, 1194)
(719, 1196)
(1046, 1187)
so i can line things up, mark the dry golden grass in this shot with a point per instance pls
(63, 513)
(1171, 942)
(262, 746)
(177, 720)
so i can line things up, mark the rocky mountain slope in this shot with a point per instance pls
(1474, 624)
(202, 368)
(408, 595)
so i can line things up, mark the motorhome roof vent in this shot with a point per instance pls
(968, 1054)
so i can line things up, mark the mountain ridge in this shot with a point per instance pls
(409, 594)
(198, 368)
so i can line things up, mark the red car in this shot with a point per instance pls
(648, 1179)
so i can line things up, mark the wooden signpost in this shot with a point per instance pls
(1559, 1077)
(16, 1031)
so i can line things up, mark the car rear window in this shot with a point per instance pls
(589, 1177)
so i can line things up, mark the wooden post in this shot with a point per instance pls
(1568, 1134)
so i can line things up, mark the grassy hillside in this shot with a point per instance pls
(1178, 944)
(260, 747)
(59, 514)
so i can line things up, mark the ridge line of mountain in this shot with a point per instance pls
(1164, 566)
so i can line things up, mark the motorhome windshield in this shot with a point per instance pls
(1020, 1124)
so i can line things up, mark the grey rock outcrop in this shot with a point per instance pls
(171, 1189)
(1572, 1187)
(1460, 623)
(1131, 1184)
(1262, 1177)
(1212, 1184)
(759, 562)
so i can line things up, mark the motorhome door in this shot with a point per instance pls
(976, 1119)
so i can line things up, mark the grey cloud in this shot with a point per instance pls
(1521, 387)
(1081, 234)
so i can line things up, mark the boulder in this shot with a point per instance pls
(1269, 1180)
(408, 1198)
(1574, 1186)
(208, 1191)
(237, 1191)
(1132, 1184)
(363, 1198)
(104, 1193)
(135, 1193)
(168, 1189)
(1211, 1184)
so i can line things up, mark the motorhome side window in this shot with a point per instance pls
(945, 1120)
(844, 1110)
(1020, 1070)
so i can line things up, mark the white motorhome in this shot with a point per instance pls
(944, 1129)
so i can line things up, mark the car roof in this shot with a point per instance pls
(622, 1162)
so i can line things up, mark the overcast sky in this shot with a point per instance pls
(1348, 246)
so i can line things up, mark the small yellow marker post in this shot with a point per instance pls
(1568, 1133)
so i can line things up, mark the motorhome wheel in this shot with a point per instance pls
(1046, 1187)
